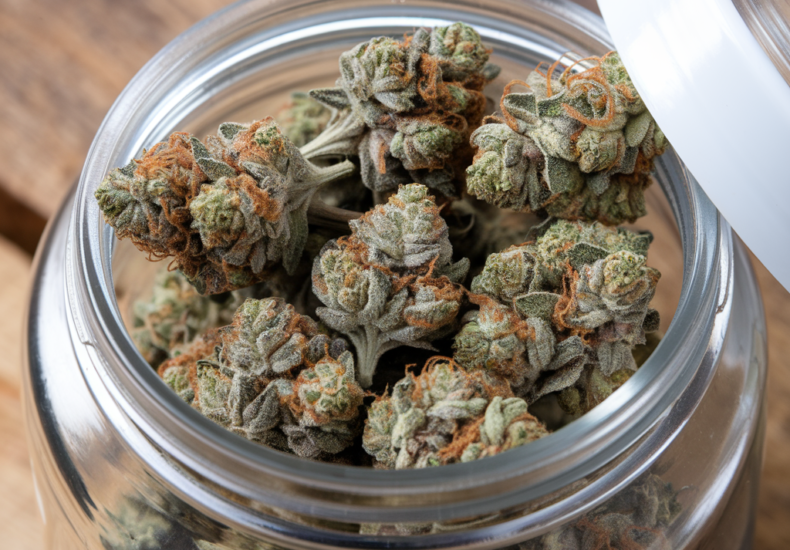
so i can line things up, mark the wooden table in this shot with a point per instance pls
(62, 65)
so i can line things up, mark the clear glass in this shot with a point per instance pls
(769, 21)
(121, 462)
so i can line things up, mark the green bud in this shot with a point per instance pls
(446, 415)
(594, 138)
(243, 194)
(391, 283)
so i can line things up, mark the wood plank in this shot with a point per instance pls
(773, 528)
(63, 64)
(20, 523)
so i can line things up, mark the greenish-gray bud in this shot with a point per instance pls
(459, 51)
(380, 76)
(409, 234)
(446, 415)
(244, 377)
(228, 210)
(505, 169)
(425, 144)
(612, 297)
(392, 282)
(542, 264)
(575, 298)
(637, 516)
(267, 338)
(174, 316)
(421, 97)
(328, 393)
(595, 144)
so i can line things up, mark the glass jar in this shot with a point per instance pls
(121, 462)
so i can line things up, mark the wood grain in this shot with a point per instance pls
(19, 519)
(773, 513)
(62, 65)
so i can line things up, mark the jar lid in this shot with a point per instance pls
(716, 78)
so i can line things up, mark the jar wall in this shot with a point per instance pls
(105, 481)
(95, 490)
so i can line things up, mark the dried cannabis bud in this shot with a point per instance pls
(577, 146)
(578, 295)
(446, 415)
(273, 378)
(174, 316)
(592, 387)
(559, 314)
(391, 283)
(635, 518)
(136, 526)
(406, 108)
(496, 339)
(227, 211)
(303, 119)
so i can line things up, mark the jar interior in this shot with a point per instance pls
(263, 88)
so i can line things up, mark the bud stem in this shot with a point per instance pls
(330, 217)
(340, 138)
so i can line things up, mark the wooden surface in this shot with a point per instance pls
(19, 521)
(62, 64)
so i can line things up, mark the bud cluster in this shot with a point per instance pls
(446, 415)
(577, 146)
(636, 517)
(274, 378)
(575, 300)
(227, 210)
(335, 216)
(175, 315)
(406, 107)
(392, 281)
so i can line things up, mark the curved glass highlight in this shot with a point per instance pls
(769, 21)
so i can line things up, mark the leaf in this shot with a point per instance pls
(216, 169)
(636, 129)
(652, 321)
(522, 106)
(583, 254)
(229, 130)
(536, 304)
(562, 176)
(335, 98)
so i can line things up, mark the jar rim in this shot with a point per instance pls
(172, 83)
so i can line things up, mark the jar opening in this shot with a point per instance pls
(237, 63)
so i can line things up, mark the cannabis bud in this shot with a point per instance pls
(554, 308)
(636, 517)
(227, 210)
(303, 119)
(135, 525)
(496, 339)
(578, 295)
(391, 283)
(577, 146)
(273, 378)
(406, 108)
(174, 316)
(446, 415)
